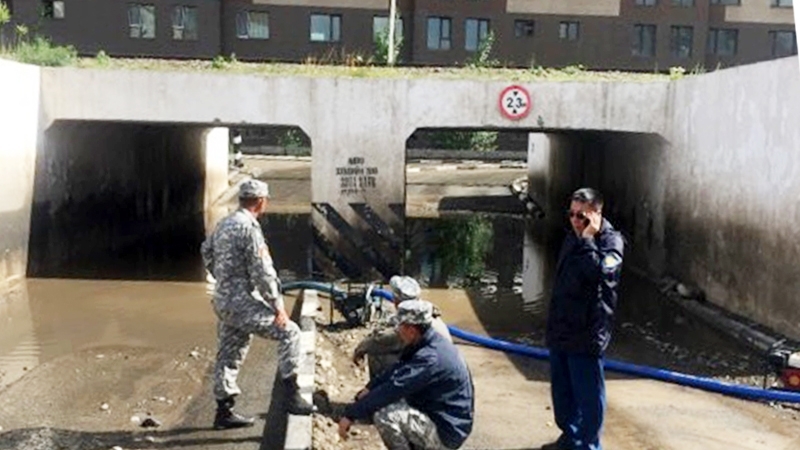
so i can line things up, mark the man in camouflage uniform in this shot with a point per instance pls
(382, 346)
(247, 300)
(427, 400)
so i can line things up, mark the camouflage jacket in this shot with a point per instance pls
(238, 258)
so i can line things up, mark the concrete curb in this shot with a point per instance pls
(299, 428)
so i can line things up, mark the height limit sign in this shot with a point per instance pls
(515, 102)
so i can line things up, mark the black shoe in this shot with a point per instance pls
(562, 443)
(297, 405)
(226, 418)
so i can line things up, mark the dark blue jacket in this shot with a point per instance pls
(433, 378)
(584, 295)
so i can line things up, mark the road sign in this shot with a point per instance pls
(515, 102)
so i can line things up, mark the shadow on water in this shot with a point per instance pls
(483, 255)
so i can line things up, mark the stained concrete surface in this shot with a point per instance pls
(137, 347)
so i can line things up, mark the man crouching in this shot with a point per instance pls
(426, 400)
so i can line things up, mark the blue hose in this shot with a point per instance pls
(707, 384)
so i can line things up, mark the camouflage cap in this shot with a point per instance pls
(415, 312)
(406, 287)
(253, 189)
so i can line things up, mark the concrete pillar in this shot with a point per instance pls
(358, 203)
(19, 121)
(554, 170)
(535, 246)
(214, 142)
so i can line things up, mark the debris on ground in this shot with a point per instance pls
(337, 380)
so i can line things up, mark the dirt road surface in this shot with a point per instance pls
(514, 409)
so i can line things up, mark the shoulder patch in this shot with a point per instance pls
(611, 261)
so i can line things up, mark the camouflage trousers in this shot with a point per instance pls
(404, 428)
(235, 331)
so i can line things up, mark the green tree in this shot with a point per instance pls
(382, 48)
(482, 57)
(462, 244)
(484, 141)
(5, 18)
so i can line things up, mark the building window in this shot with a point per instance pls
(53, 9)
(252, 25)
(569, 31)
(475, 32)
(380, 26)
(726, 2)
(439, 33)
(782, 3)
(523, 28)
(722, 42)
(142, 21)
(184, 23)
(684, 3)
(784, 43)
(644, 40)
(326, 28)
(645, 2)
(681, 42)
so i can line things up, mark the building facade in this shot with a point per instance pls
(641, 35)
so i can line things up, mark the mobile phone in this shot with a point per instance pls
(586, 221)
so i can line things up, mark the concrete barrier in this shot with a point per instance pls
(299, 428)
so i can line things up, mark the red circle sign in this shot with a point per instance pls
(515, 102)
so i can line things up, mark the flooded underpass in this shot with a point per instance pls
(83, 362)
(478, 259)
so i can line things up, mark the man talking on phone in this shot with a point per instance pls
(580, 320)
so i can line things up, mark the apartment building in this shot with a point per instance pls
(600, 34)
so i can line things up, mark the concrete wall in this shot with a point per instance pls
(19, 117)
(732, 198)
(631, 171)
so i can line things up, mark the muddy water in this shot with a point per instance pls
(475, 261)
(46, 319)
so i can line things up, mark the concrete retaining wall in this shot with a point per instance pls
(19, 120)
(732, 197)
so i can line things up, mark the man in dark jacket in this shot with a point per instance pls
(580, 320)
(426, 400)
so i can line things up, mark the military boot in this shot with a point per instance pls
(297, 404)
(227, 418)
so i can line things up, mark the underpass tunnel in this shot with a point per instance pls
(627, 168)
(119, 200)
(463, 225)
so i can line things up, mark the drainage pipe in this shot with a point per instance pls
(706, 384)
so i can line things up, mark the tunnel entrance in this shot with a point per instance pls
(119, 200)
(464, 228)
